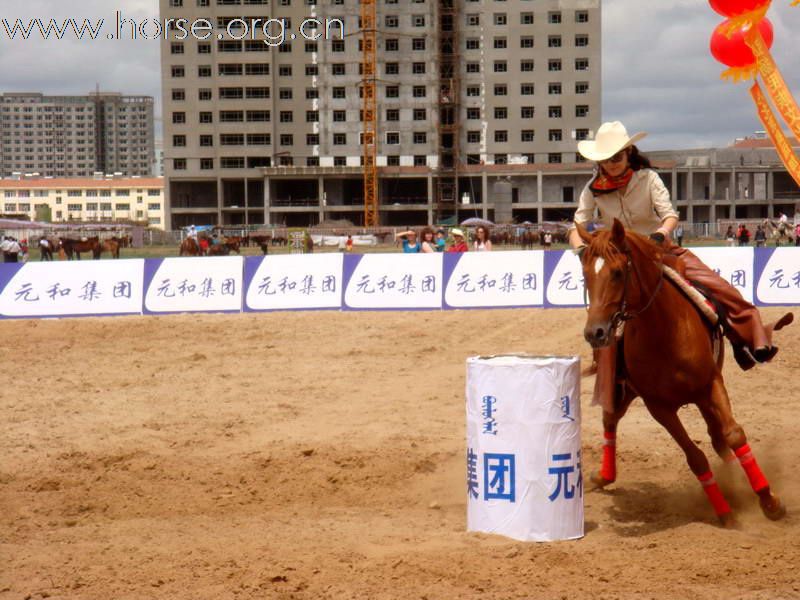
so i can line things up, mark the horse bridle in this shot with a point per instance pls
(623, 314)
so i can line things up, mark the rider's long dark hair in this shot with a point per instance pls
(637, 160)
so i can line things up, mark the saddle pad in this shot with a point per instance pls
(703, 305)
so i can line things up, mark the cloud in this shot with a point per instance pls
(659, 75)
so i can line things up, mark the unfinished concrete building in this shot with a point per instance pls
(76, 136)
(479, 103)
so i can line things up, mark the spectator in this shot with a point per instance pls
(730, 236)
(441, 240)
(349, 244)
(797, 234)
(459, 245)
(410, 243)
(679, 234)
(482, 242)
(428, 243)
(10, 249)
(547, 240)
(743, 235)
(342, 246)
(760, 237)
(23, 249)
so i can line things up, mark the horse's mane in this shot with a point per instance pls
(603, 245)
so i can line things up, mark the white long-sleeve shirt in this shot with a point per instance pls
(642, 208)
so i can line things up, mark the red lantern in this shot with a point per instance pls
(733, 51)
(733, 8)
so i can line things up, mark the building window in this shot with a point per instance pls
(500, 66)
(206, 164)
(420, 137)
(581, 134)
(501, 136)
(526, 18)
(420, 114)
(554, 157)
(526, 135)
(554, 17)
(473, 137)
(473, 113)
(554, 135)
(554, 112)
(554, 41)
(554, 89)
(392, 138)
(581, 87)
(581, 64)
(526, 65)
(581, 41)
(582, 110)
(526, 112)
(581, 16)
(286, 139)
(179, 164)
(526, 41)
(526, 89)
(554, 64)
(500, 112)
(392, 114)
(339, 139)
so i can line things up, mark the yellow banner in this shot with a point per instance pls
(775, 133)
(776, 86)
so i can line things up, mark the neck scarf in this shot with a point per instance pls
(605, 184)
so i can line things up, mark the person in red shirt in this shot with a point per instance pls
(459, 245)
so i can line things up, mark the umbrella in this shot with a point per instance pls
(475, 222)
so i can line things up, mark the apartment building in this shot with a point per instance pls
(467, 90)
(76, 136)
(93, 200)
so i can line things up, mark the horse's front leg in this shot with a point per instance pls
(623, 396)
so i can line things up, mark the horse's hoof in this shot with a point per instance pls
(599, 482)
(729, 521)
(772, 507)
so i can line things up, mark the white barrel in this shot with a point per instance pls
(524, 477)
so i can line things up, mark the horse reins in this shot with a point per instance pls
(622, 314)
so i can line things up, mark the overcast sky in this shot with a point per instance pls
(658, 75)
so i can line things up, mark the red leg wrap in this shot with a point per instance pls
(608, 469)
(711, 488)
(757, 480)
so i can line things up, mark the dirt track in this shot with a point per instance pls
(321, 455)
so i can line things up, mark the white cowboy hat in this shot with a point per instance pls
(610, 139)
(455, 231)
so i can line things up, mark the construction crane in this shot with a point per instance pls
(370, 112)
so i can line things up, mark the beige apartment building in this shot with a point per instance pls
(470, 95)
(127, 199)
(76, 136)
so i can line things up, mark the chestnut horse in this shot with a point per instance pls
(75, 247)
(668, 360)
(189, 247)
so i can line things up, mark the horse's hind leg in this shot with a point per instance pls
(715, 433)
(696, 460)
(735, 437)
(608, 468)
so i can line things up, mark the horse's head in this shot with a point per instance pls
(612, 280)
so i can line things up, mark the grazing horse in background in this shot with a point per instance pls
(225, 248)
(75, 247)
(111, 246)
(189, 247)
(262, 241)
(666, 356)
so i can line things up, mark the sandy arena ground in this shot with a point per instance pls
(321, 455)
